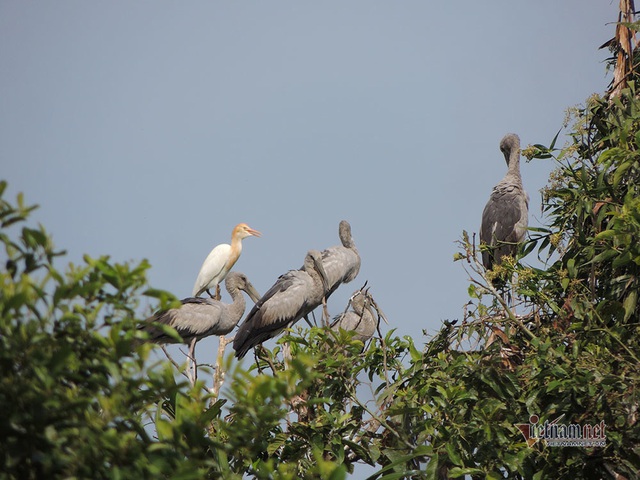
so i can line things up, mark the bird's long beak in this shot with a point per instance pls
(379, 310)
(253, 232)
(252, 292)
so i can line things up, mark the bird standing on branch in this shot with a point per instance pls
(294, 295)
(361, 318)
(220, 261)
(506, 216)
(341, 262)
(198, 318)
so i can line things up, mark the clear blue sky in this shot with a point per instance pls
(149, 129)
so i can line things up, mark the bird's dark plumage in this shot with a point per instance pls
(200, 317)
(341, 262)
(505, 217)
(294, 295)
(360, 319)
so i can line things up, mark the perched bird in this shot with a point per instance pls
(342, 262)
(361, 319)
(294, 295)
(198, 318)
(220, 260)
(506, 216)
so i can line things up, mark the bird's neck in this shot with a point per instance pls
(232, 312)
(238, 305)
(514, 166)
(236, 250)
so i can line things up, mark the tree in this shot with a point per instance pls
(75, 394)
(81, 398)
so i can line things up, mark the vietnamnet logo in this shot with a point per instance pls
(556, 434)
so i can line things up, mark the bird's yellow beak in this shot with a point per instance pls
(253, 232)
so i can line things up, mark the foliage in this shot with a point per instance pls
(74, 395)
(452, 409)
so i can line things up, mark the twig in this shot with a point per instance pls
(175, 364)
(478, 269)
(265, 357)
(378, 419)
(186, 371)
(219, 372)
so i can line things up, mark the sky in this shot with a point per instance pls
(150, 129)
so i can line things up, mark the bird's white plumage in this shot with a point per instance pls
(221, 259)
(214, 269)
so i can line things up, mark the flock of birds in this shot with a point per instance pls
(293, 296)
(296, 293)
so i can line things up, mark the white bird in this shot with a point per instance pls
(506, 216)
(341, 262)
(198, 318)
(294, 295)
(220, 260)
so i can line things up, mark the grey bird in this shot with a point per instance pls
(198, 318)
(360, 319)
(506, 216)
(294, 295)
(342, 262)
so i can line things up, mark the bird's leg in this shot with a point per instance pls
(256, 357)
(209, 293)
(286, 354)
(325, 312)
(192, 360)
(306, 318)
(218, 297)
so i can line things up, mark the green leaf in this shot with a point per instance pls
(620, 172)
(453, 454)
(457, 472)
(164, 429)
(622, 260)
(278, 441)
(629, 304)
(571, 268)
(432, 467)
(555, 139)
(339, 473)
(605, 235)
(538, 475)
(603, 256)
(213, 411)
(394, 476)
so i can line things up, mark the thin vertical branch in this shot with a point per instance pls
(624, 43)
(219, 370)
